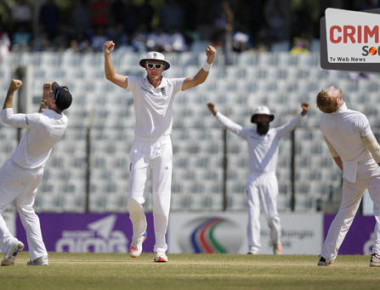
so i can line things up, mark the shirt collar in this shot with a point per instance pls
(342, 108)
(51, 113)
(162, 84)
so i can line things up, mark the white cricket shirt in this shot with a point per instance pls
(344, 130)
(153, 106)
(263, 149)
(43, 131)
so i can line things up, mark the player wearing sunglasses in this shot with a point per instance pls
(151, 152)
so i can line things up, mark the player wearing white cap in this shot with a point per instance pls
(356, 152)
(22, 173)
(151, 152)
(262, 186)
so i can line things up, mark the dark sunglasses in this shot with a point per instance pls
(152, 65)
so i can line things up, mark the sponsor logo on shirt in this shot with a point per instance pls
(163, 91)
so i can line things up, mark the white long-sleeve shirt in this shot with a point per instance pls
(344, 130)
(263, 149)
(43, 131)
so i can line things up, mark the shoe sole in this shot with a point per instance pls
(133, 256)
(326, 264)
(11, 259)
(374, 264)
(31, 264)
(160, 260)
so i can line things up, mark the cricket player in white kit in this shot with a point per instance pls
(22, 173)
(151, 152)
(262, 186)
(356, 152)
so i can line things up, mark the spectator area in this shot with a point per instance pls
(279, 80)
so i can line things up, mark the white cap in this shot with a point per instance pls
(154, 55)
(262, 110)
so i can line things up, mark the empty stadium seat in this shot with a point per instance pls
(279, 80)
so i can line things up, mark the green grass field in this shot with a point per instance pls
(219, 271)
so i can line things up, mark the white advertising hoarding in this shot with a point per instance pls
(225, 232)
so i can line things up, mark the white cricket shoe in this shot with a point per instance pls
(160, 257)
(277, 249)
(135, 248)
(11, 253)
(252, 252)
(375, 260)
(41, 261)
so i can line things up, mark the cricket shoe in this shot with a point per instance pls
(135, 248)
(11, 253)
(375, 260)
(323, 262)
(160, 257)
(252, 252)
(277, 249)
(41, 261)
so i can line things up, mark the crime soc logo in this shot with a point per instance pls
(99, 237)
(356, 34)
(210, 235)
(350, 40)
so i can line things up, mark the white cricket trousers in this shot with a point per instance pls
(262, 189)
(20, 184)
(151, 158)
(352, 194)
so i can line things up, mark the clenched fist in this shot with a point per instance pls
(305, 108)
(15, 85)
(211, 107)
(108, 46)
(211, 53)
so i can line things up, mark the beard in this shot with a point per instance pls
(262, 129)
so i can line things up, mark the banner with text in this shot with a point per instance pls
(85, 233)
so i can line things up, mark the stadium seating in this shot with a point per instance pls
(102, 114)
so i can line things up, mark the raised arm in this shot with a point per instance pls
(293, 123)
(13, 86)
(202, 74)
(226, 122)
(109, 70)
(7, 116)
(46, 90)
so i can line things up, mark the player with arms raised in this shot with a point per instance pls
(22, 173)
(262, 186)
(151, 152)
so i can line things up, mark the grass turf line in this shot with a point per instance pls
(183, 271)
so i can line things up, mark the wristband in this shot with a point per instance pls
(206, 66)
